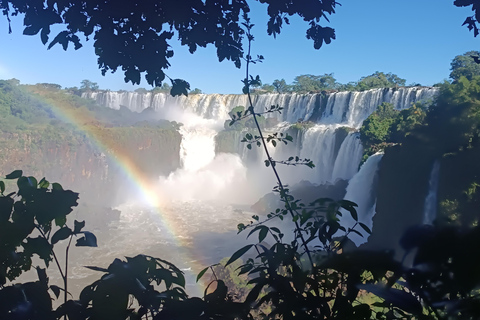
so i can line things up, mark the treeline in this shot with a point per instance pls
(308, 83)
(87, 85)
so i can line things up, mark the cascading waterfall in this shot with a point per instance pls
(361, 190)
(332, 143)
(338, 107)
(430, 207)
(349, 157)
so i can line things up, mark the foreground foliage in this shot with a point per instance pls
(435, 281)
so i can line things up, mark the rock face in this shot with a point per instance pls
(82, 166)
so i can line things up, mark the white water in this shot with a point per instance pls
(206, 178)
(361, 190)
(430, 207)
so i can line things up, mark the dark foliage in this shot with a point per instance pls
(135, 36)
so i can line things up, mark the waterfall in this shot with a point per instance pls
(430, 207)
(197, 148)
(361, 190)
(348, 108)
(332, 141)
(348, 158)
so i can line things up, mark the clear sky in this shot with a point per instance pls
(415, 39)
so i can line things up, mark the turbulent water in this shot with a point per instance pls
(202, 191)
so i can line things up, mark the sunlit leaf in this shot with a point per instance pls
(201, 273)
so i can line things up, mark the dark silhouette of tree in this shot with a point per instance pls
(135, 36)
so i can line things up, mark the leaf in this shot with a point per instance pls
(14, 175)
(364, 227)
(398, 298)
(88, 240)
(78, 226)
(275, 229)
(42, 276)
(39, 246)
(262, 234)
(44, 34)
(57, 186)
(179, 87)
(43, 184)
(60, 221)
(96, 268)
(238, 254)
(201, 273)
(56, 290)
(31, 31)
(61, 234)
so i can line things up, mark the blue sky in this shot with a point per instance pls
(415, 39)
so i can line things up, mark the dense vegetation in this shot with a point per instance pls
(49, 131)
(290, 281)
(308, 83)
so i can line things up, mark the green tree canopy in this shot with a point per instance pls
(281, 86)
(88, 85)
(312, 83)
(465, 65)
(380, 80)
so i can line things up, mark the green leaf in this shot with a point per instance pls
(88, 240)
(2, 187)
(61, 234)
(44, 184)
(32, 181)
(238, 254)
(57, 186)
(399, 298)
(60, 221)
(14, 175)
(364, 227)
(201, 273)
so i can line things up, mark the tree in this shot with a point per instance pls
(141, 90)
(87, 85)
(164, 88)
(196, 91)
(465, 65)
(135, 36)
(380, 80)
(309, 83)
(281, 86)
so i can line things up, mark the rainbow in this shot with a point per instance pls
(134, 175)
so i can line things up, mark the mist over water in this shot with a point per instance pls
(202, 202)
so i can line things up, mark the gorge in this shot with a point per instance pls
(187, 183)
